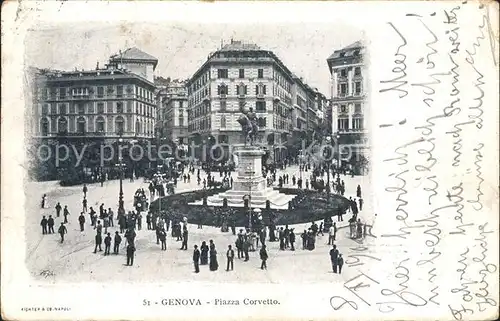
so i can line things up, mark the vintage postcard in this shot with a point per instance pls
(250, 160)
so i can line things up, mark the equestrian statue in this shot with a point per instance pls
(249, 127)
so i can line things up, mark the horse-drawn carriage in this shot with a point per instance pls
(141, 201)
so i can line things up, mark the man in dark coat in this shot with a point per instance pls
(340, 262)
(360, 204)
(84, 205)
(263, 257)
(58, 209)
(85, 189)
(50, 223)
(196, 259)
(130, 254)
(62, 230)
(43, 223)
(66, 213)
(98, 242)
(117, 241)
(334, 253)
(162, 235)
(230, 258)
(292, 240)
(107, 244)
(184, 238)
(122, 221)
(81, 220)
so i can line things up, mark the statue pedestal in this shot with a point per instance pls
(249, 182)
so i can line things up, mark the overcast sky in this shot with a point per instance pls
(181, 49)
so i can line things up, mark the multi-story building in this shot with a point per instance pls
(241, 75)
(174, 110)
(97, 106)
(348, 100)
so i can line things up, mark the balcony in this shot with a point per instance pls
(206, 99)
(241, 96)
(222, 96)
(260, 96)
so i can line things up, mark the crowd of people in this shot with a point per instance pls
(247, 240)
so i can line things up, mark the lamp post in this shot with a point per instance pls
(121, 210)
(338, 150)
(250, 171)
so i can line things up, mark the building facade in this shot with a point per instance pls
(174, 112)
(98, 106)
(348, 101)
(242, 76)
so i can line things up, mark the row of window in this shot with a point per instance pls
(282, 81)
(342, 89)
(82, 126)
(344, 72)
(200, 124)
(88, 108)
(345, 109)
(101, 92)
(224, 73)
(241, 89)
(343, 124)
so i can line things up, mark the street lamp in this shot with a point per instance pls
(250, 171)
(338, 149)
(121, 210)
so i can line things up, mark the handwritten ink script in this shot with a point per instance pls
(437, 245)
(441, 78)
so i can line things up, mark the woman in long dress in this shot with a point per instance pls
(214, 265)
(204, 253)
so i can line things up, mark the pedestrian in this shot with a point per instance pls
(110, 215)
(263, 257)
(107, 244)
(84, 205)
(81, 220)
(214, 265)
(44, 200)
(230, 258)
(62, 230)
(304, 239)
(204, 253)
(58, 209)
(360, 204)
(44, 223)
(92, 216)
(163, 238)
(334, 253)
(139, 221)
(359, 229)
(358, 191)
(50, 223)
(66, 213)
(246, 246)
(85, 189)
(117, 241)
(98, 227)
(98, 242)
(332, 233)
(196, 259)
(184, 238)
(148, 221)
(292, 240)
(130, 254)
(340, 262)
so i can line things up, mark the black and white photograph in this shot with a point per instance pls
(265, 164)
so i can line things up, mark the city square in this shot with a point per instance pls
(303, 161)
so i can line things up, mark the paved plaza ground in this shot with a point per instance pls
(74, 260)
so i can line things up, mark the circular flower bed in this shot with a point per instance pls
(307, 206)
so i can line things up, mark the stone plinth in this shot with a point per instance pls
(250, 182)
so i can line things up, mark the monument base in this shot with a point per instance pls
(250, 183)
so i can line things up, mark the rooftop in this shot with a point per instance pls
(353, 49)
(239, 46)
(133, 54)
